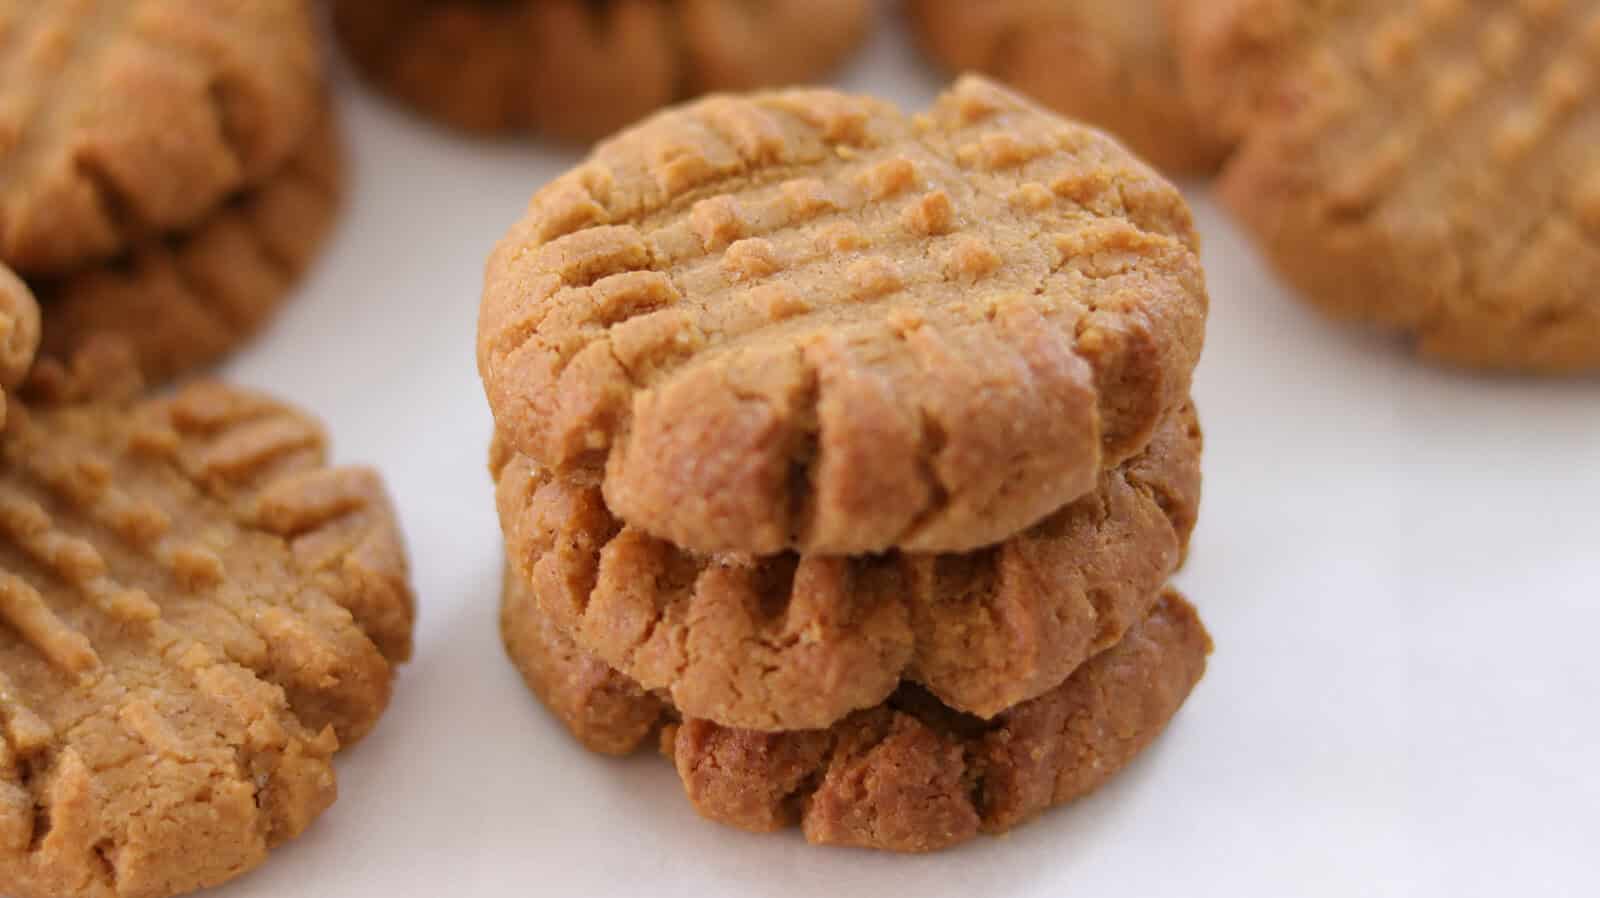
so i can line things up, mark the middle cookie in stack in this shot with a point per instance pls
(801, 401)
(789, 641)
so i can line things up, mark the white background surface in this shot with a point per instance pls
(1400, 565)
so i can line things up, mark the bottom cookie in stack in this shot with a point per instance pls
(908, 775)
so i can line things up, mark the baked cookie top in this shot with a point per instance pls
(195, 613)
(1111, 63)
(580, 69)
(123, 117)
(19, 334)
(803, 320)
(798, 642)
(184, 300)
(1432, 166)
(907, 775)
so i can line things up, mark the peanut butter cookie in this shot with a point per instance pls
(798, 642)
(1109, 62)
(579, 69)
(908, 775)
(123, 118)
(1428, 166)
(195, 614)
(802, 320)
(184, 301)
(19, 334)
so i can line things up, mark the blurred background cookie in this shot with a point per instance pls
(1228, 52)
(578, 69)
(1429, 167)
(1110, 63)
(125, 118)
(182, 301)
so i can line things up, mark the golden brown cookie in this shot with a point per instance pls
(798, 642)
(19, 334)
(195, 614)
(184, 301)
(579, 69)
(1108, 62)
(803, 320)
(1429, 166)
(123, 118)
(908, 775)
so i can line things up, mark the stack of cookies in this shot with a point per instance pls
(849, 453)
(169, 169)
(1429, 167)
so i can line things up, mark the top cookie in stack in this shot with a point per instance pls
(808, 322)
(171, 156)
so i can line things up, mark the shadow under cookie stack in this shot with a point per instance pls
(846, 454)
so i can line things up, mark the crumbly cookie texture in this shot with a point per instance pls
(184, 301)
(802, 320)
(124, 118)
(1111, 63)
(579, 69)
(19, 333)
(1430, 167)
(798, 642)
(195, 613)
(908, 775)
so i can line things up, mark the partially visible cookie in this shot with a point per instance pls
(802, 320)
(798, 642)
(1429, 167)
(908, 775)
(579, 69)
(183, 301)
(19, 334)
(195, 614)
(1229, 53)
(1109, 62)
(123, 118)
